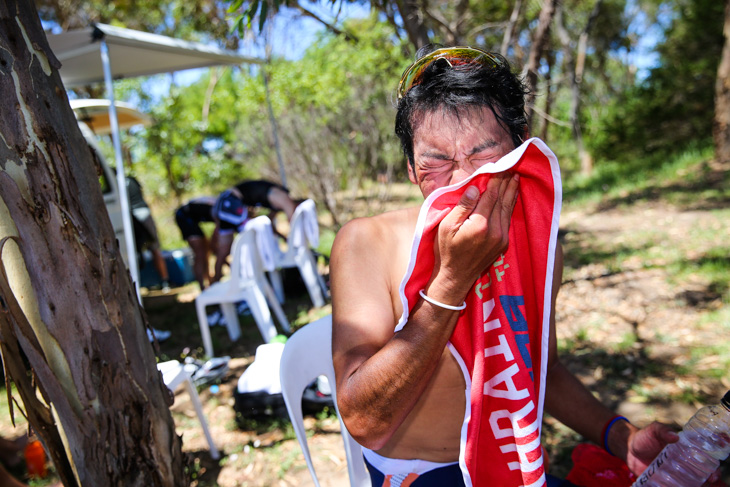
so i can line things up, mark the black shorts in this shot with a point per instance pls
(189, 216)
(189, 227)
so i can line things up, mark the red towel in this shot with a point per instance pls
(595, 467)
(501, 338)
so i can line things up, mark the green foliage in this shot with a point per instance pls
(181, 152)
(674, 105)
(255, 9)
(333, 113)
(201, 20)
(630, 175)
(246, 14)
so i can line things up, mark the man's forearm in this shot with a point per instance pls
(379, 394)
(570, 402)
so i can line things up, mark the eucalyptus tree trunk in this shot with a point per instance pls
(575, 64)
(413, 22)
(721, 125)
(539, 41)
(67, 301)
(509, 31)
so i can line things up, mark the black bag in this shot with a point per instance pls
(259, 405)
(263, 405)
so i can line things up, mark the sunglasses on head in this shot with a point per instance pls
(453, 55)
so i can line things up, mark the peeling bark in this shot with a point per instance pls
(68, 303)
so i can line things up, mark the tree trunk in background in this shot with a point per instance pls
(413, 22)
(721, 126)
(586, 160)
(68, 303)
(549, 95)
(539, 41)
(509, 31)
(575, 65)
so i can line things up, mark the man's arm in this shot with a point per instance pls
(381, 374)
(570, 402)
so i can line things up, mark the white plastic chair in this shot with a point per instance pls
(303, 234)
(307, 355)
(247, 283)
(173, 374)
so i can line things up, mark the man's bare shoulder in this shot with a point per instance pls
(378, 231)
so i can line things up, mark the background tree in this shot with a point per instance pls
(672, 107)
(721, 127)
(68, 305)
(202, 20)
(539, 42)
(576, 80)
(335, 127)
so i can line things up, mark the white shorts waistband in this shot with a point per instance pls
(397, 466)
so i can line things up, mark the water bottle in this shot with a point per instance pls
(703, 443)
(35, 459)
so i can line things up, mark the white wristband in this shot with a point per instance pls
(441, 305)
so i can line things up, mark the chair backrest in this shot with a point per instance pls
(304, 228)
(266, 244)
(236, 265)
(246, 264)
(307, 355)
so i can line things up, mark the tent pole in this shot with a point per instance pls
(282, 171)
(121, 180)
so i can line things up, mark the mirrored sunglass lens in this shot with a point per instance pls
(453, 56)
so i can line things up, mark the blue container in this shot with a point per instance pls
(178, 265)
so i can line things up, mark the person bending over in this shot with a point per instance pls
(188, 218)
(401, 393)
(235, 206)
(266, 194)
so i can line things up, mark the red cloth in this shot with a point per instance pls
(595, 467)
(501, 338)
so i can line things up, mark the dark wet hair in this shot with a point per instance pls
(459, 88)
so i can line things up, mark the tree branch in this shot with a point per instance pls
(413, 23)
(442, 22)
(489, 25)
(331, 27)
(509, 32)
(550, 118)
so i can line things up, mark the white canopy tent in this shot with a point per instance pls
(95, 114)
(104, 53)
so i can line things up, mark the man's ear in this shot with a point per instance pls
(412, 173)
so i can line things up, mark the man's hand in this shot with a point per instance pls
(645, 444)
(475, 232)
